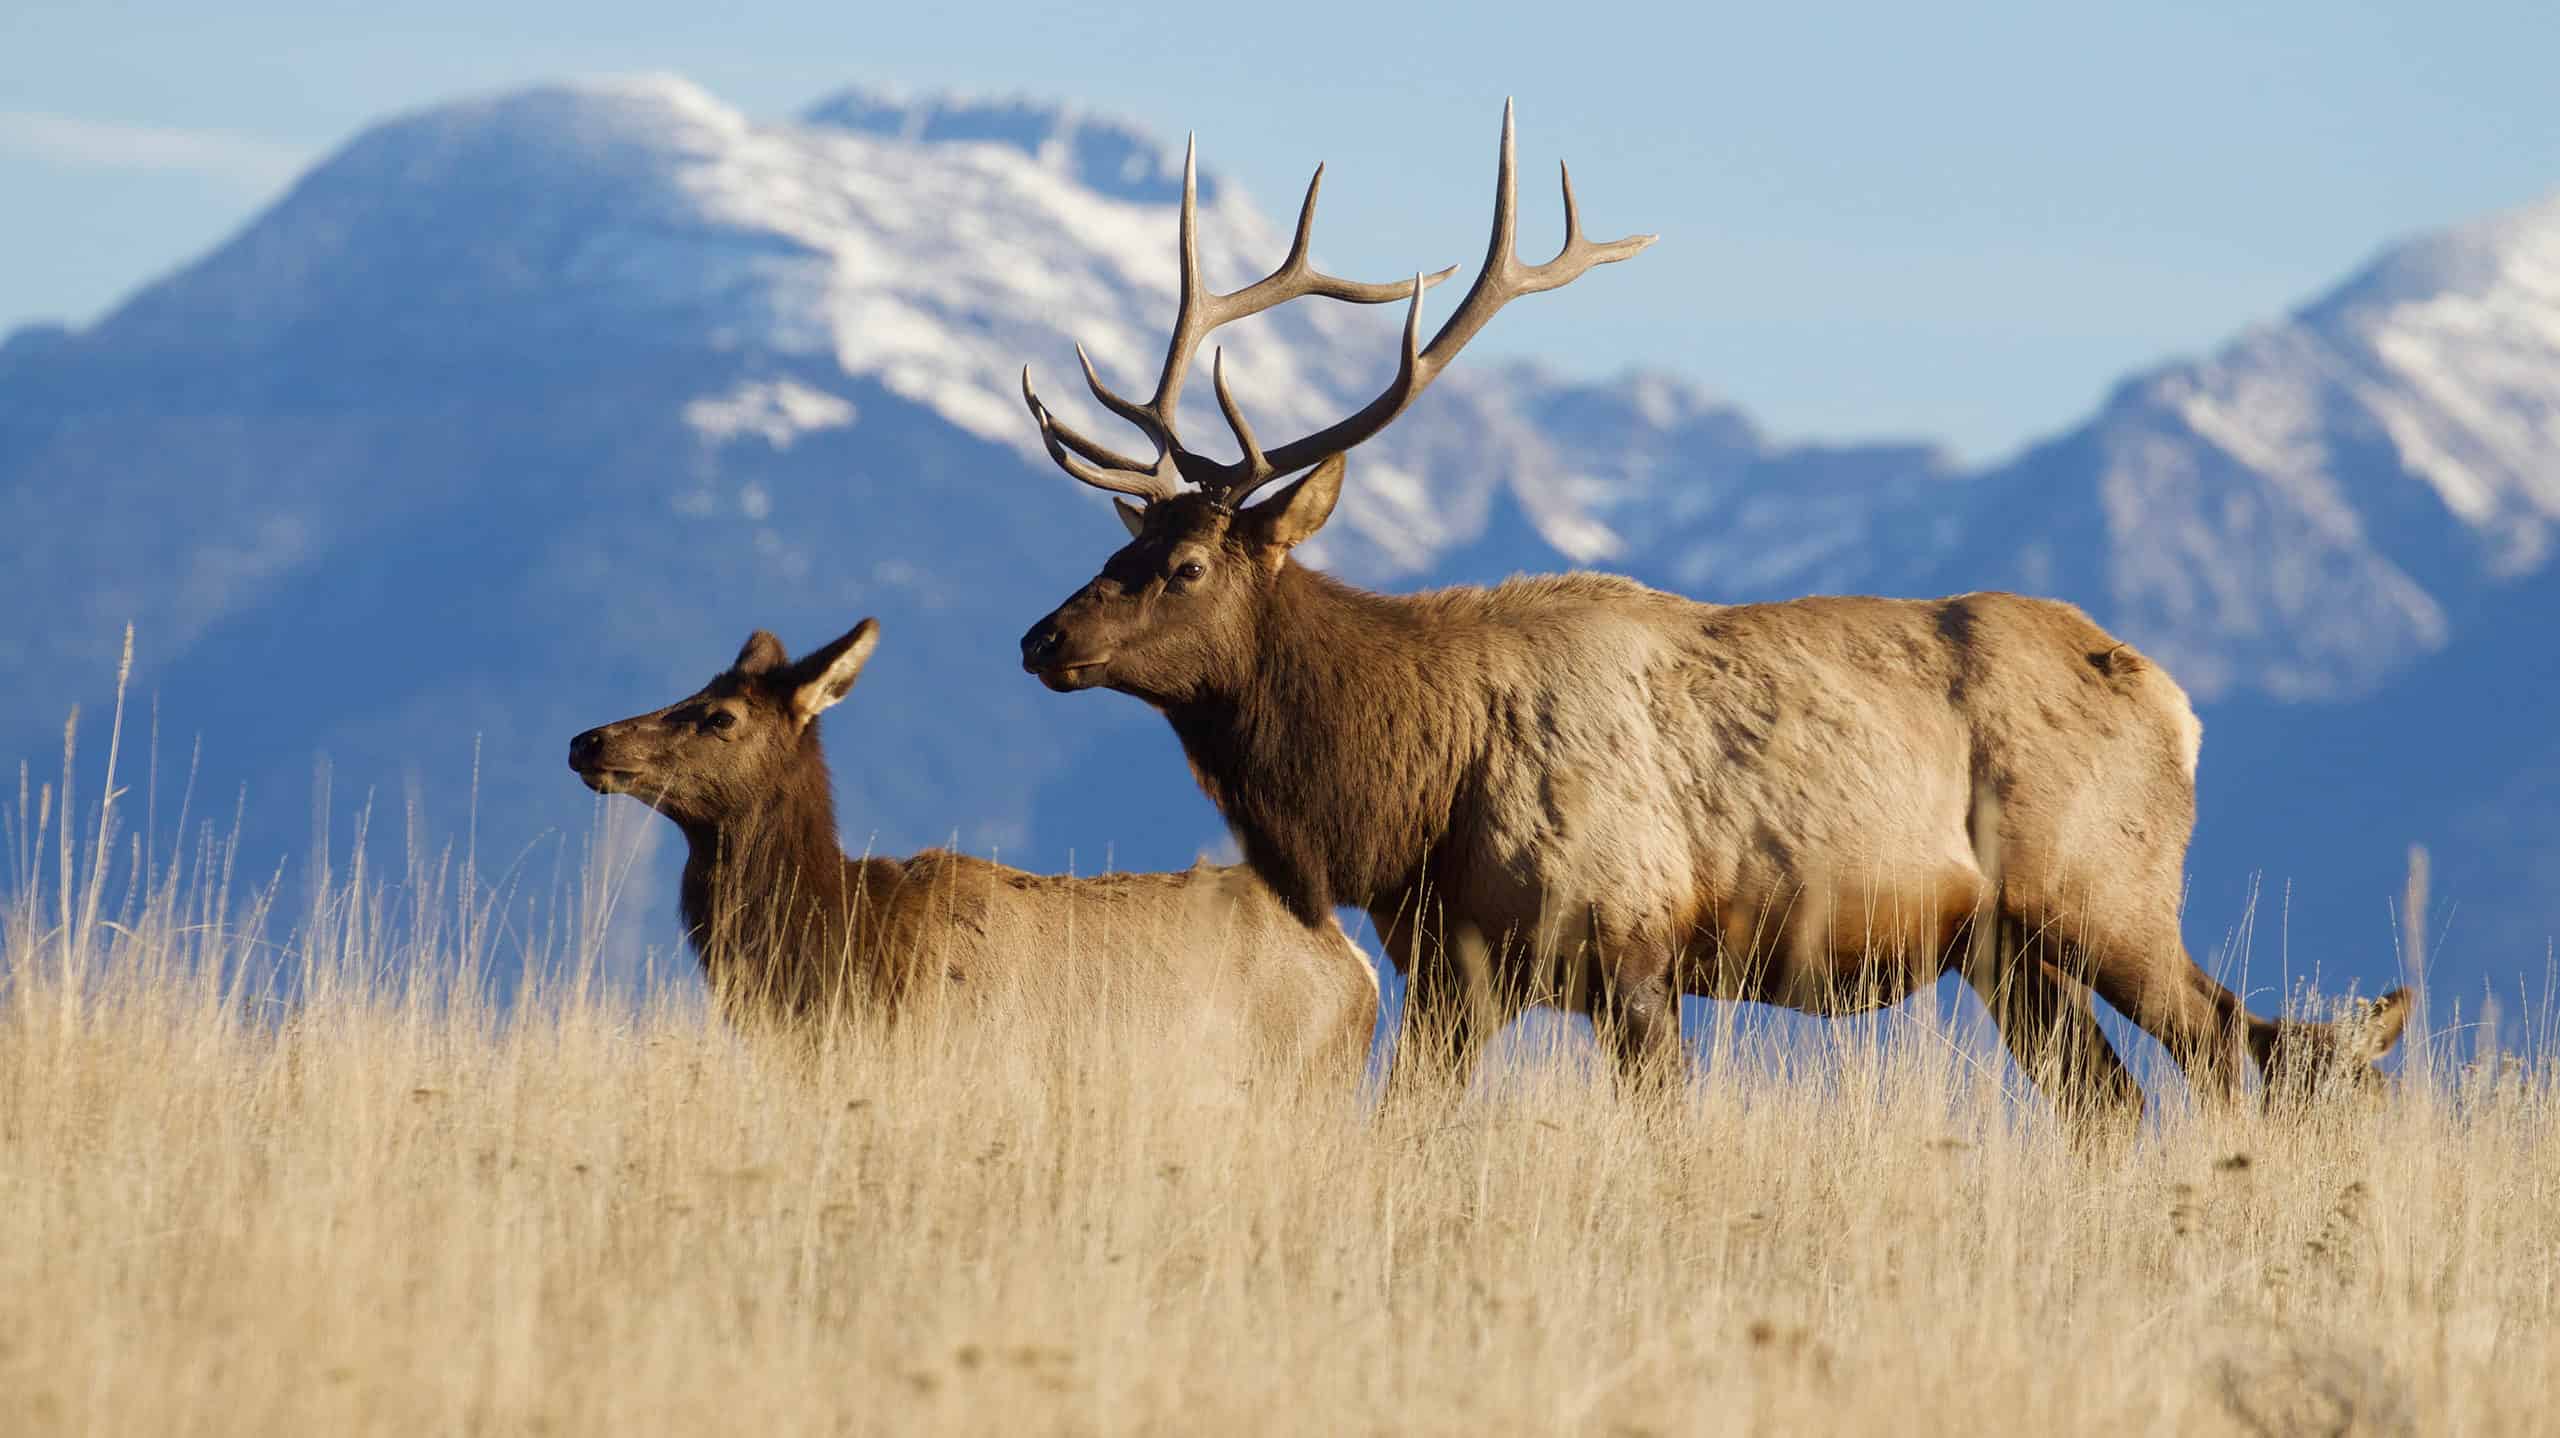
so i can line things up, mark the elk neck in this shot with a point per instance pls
(767, 882)
(1336, 753)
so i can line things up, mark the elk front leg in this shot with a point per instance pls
(1638, 1019)
(1453, 1004)
(1440, 1032)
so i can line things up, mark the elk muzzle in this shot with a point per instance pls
(587, 760)
(1038, 645)
(1062, 664)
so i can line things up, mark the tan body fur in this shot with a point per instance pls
(1207, 947)
(1783, 796)
(787, 926)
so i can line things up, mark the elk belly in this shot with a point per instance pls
(1836, 948)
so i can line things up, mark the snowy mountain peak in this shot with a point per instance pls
(2451, 343)
(630, 127)
(935, 245)
(1103, 153)
(2517, 250)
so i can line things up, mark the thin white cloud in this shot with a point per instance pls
(71, 141)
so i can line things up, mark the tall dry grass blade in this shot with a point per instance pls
(2413, 963)
(66, 844)
(107, 796)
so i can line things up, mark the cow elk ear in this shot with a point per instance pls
(761, 654)
(1288, 518)
(820, 682)
(2379, 1024)
(1132, 518)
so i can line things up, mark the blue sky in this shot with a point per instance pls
(1959, 221)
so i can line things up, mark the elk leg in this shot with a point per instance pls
(1639, 1020)
(2203, 1025)
(1440, 1031)
(2046, 1020)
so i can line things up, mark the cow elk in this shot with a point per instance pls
(1579, 790)
(788, 927)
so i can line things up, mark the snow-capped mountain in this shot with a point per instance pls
(516, 414)
(2303, 513)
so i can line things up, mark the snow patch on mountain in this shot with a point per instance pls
(2457, 340)
(1103, 153)
(935, 247)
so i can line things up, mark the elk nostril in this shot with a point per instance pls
(1039, 644)
(584, 747)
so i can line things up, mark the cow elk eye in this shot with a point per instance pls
(719, 721)
(1191, 569)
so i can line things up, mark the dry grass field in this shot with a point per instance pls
(363, 1197)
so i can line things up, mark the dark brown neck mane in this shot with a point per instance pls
(1341, 750)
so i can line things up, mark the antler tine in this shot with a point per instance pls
(1204, 310)
(1128, 409)
(1503, 279)
(1097, 466)
(1306, 233)
(1256, 469)
(1502, 252)
(1190, 322)
(1576, 247)
(1298, 276)
(1342, 434)
(1572, 212)
(1091, 449)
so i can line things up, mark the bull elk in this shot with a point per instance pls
(786, 925)
(1579, 790)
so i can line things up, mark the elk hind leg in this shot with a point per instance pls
(2050, 1028)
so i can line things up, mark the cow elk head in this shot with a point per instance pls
(734, 746)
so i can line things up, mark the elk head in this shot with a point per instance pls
(1183, 596)
(729, 748)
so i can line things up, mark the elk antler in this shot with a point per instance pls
(1503, 279)
(1201, 311)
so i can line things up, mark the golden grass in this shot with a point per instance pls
(374, 1202)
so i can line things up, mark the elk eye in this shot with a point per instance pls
(719, 721)
(1190, 570)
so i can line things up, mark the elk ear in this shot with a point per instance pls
(821, 681)
(1286, 519)
(1132, 518)
(2379, 1025)
(761, 654)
